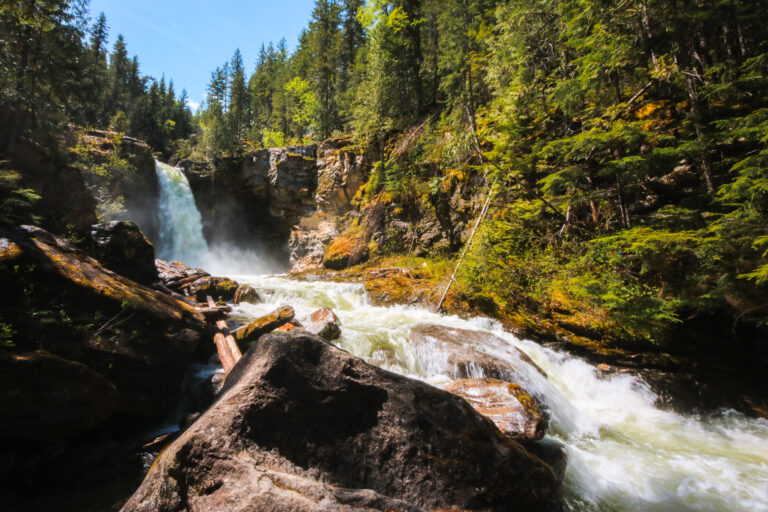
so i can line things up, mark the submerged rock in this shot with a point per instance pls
(121, 247)
(517, 414)
(265, 324)
(452, 351)
(245, 293)
(302, 425)
(324, 323)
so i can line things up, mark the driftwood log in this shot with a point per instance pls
(229, 352)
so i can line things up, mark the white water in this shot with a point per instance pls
(181, 232)
(181, 226)
(624, 453)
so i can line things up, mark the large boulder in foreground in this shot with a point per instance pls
(517, 414)
(302, 425)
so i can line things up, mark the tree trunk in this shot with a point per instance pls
(226, 346)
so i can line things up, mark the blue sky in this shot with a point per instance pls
(186, 40)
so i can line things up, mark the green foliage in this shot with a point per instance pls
(16, 202)
(119, 122)
(305, 108)
(273, 139)
(7, 334)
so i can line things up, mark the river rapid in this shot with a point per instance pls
(625, 454)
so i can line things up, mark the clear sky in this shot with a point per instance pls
(186, 40)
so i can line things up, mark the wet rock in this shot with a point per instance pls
(460, 359)
(43, 396)
(122, 248)
(219, 288)
(265, 324)
(553, 452)
(302, 425)
(324, 323)
(512, 409)
(398, 286)
(245, 293)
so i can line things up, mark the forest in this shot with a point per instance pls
(621, 145)
(481, 255)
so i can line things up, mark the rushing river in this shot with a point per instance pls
(624, 453)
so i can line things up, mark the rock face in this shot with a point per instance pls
(302, 425)
(65, 200)
(512, 409)
(136, 184)
(342, 169)
(122, 248)
(324, 323)
(460, 359)
(265, 324)
(308, 240)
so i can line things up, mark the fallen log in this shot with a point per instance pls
(226, 346)
(265, 324)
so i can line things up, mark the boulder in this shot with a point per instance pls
(245, 293)
(512, 409)
(122, 248)
(324, 323)
(302, 425)
(43, 396)
(265, 324)
(459, 358)
(551, 451)
(219, 288)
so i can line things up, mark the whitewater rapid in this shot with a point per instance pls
(625, 454)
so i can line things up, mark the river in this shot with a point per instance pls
(625, 454)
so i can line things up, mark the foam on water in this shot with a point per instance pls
(625, 454)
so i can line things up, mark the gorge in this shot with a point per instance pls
(467, 255)
(624, 451)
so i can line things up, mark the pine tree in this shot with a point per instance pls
(238, 97)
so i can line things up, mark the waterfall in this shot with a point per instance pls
(180, 224)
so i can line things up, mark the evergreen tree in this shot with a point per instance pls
(238, 97)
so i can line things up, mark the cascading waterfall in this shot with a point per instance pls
(625, 454)
(180, 224)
